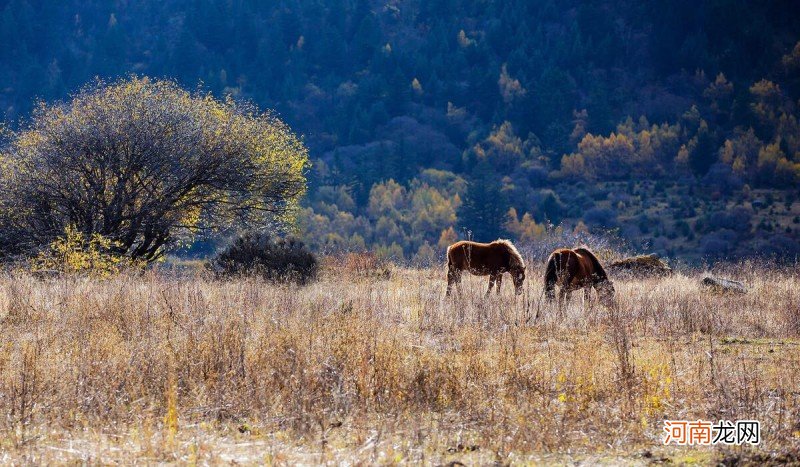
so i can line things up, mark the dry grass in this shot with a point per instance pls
(364, 369)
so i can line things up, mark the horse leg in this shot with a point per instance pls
(449, 283)
(587, 295)
(492, 278)
(457, 281)
(499, 282)
(453, 277)
(550, 292)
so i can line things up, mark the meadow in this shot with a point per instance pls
(375, 367)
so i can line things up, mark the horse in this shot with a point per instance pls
(481, 259)
(576, 269)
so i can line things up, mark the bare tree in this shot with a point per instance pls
(146, 164)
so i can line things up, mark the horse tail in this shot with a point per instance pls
(453, 270)
(452, 261)
(598, 268)
(551, 276)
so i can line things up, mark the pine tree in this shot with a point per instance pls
(705, 151)
(485, 205)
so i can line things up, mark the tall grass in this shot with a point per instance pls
(366, 368)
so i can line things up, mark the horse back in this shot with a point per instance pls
(459, 254)
(564, 258)
(478, 257)
(568, 265)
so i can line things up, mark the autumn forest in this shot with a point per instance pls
(667, 126)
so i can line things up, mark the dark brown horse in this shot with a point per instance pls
(485, 259)
(576, 269)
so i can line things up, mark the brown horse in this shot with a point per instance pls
(576, 269)
(482, 259)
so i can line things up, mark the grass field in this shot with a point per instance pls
(369, 369)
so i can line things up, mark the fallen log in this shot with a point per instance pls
(641, 266)
(719, 285)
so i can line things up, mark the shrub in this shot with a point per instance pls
(719, 244)
(683, 228)
(366, 264)
(281, 260)
(78, 253)
(721, 177)
(601, 217)
(778, 247)
(737, 219)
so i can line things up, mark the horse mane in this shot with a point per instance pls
(516, 258)
(599, 271)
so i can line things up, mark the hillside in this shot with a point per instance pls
(426, 120)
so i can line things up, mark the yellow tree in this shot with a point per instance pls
(526, 230)
(144, 164)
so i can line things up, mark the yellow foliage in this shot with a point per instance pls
(510, 88)
(209, 163)
(416, 86)
(682, 159)
(719, 93)
(655, 386)
(637, 148)
(792, 59)
(526, 229)
(171, 417)
(768, 103)
(447, 237)
(463, 40)
(574, 165)
(74, 253)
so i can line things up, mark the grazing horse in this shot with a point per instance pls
(576, 269)
(482, 259)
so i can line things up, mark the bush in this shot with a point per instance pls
(366, 264)
(737, 219)
(778, 247)
(720, 177)
(78, 253)
(281, 260)
(719, 244)
(601, 217)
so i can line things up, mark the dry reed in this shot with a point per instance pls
(375, 370)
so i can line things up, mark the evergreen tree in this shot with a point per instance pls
(485, 205)
(705, 151)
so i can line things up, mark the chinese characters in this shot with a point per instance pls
(703, 432)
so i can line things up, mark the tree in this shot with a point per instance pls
(510, 88)
(720, 94)
(526, 229)
(485, 205)
(705, 151)
(502, 149)
(598, 156)
(145, 164)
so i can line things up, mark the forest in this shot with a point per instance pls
(670, 126)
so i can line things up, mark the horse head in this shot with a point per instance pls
(518, 276)
(605, 291)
